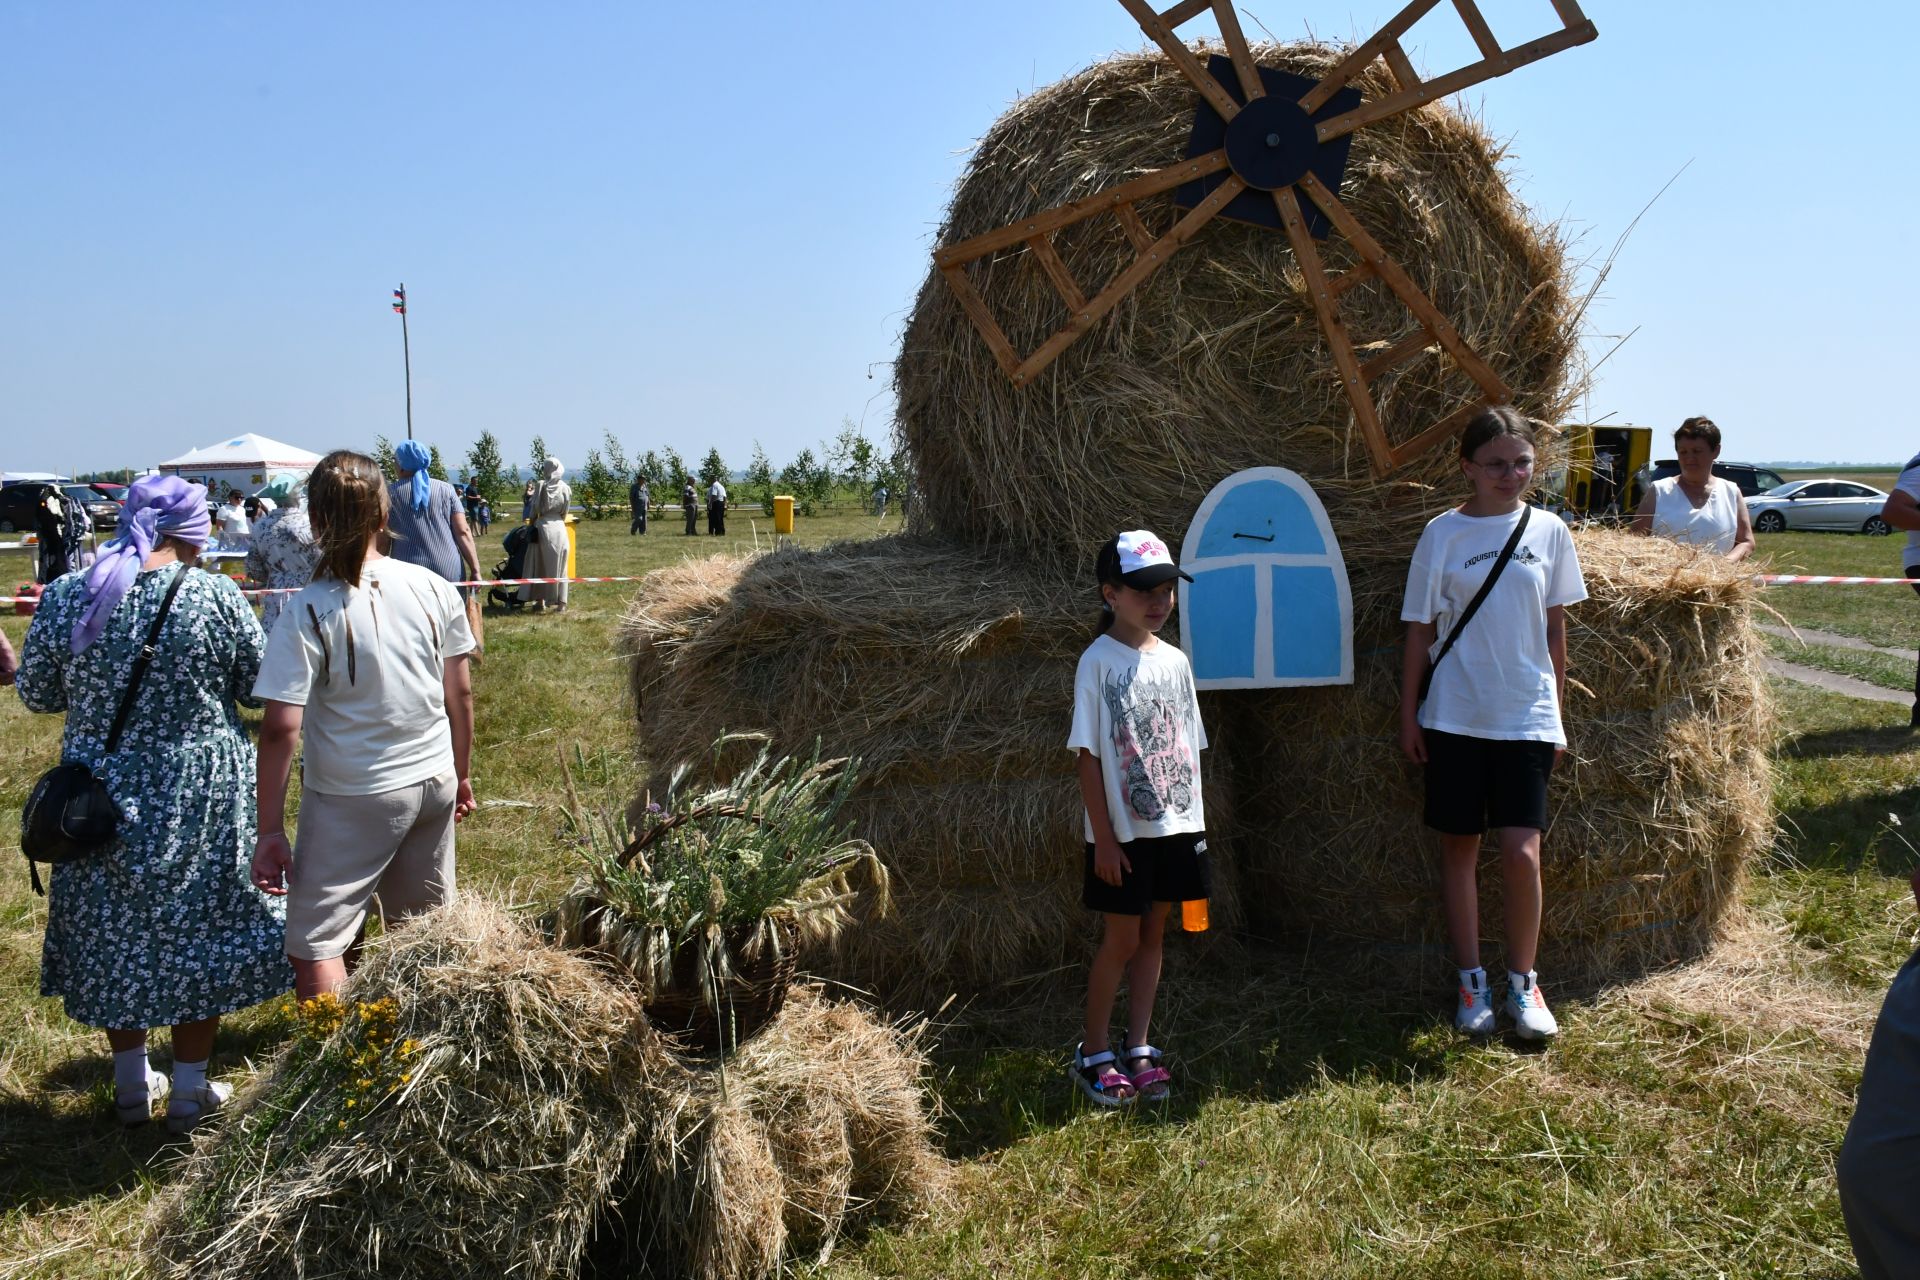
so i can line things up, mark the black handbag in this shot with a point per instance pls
(1473, 605)
(69, 814)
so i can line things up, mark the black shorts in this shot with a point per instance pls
(1476, 783)
(1165, 869)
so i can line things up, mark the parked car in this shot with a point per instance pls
(101, 508)
(18, 502)
(1820, 504)
(1750, 478)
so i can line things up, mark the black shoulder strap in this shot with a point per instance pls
(1480, 596)
(145, 660)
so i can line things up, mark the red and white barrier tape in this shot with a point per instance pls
(1807, 579)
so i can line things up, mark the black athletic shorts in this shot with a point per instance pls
(1476, 783)
(1165, 869)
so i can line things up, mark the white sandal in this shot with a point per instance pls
(136, 1109)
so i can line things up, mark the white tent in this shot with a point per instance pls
(248, 462)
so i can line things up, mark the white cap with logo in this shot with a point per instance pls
(1145, 561)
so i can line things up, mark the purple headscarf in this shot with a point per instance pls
(413, 456)
(156, 506)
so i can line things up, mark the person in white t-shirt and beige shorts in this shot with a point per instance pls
(370, 673)
(1488, 730)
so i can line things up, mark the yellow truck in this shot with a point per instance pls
(1604, 469)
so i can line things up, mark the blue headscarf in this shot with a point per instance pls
(157, 506)
(412, 456)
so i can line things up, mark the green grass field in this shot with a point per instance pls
(1327, 1125)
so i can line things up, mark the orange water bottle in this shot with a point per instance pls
(1193, 915)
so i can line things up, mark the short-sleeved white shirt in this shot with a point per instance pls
(367, 663)
(1498, 681)
(1137, 711)
(1909, 484)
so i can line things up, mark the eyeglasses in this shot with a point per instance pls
(1518, 467)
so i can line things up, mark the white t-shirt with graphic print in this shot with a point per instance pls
(1137, 711)
(1498, 680)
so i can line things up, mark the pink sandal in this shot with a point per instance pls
(1154, 1084)
(1099, 1079)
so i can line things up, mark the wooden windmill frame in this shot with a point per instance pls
(1269, 146)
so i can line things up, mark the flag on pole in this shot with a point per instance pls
(400, 300)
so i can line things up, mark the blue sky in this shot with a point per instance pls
(702, 225)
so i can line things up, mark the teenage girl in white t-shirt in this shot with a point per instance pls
(1489, 731)
(1137, 738)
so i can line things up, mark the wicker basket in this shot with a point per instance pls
(747, 1001)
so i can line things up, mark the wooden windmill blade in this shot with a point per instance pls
(1280, 144)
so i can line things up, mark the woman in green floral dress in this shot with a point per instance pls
(161, 927)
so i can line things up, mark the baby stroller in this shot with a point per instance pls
(518, 539)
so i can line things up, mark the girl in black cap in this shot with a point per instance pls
(1138, 737)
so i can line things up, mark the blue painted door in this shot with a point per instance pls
(1269, 604)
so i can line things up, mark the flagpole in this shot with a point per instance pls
(406, 352)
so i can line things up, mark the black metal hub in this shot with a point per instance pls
(1271, 143)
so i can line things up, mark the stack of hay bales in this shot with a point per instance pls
(1662, 798)
(948, 674)
(536, 1125)
(946, 662)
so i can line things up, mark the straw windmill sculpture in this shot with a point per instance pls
(1270, 148)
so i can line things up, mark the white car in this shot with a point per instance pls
(1820, 504)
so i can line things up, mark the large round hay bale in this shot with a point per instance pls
(948, 673)
(1660, 803)
(1216, 363)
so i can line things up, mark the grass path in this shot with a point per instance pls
(1328, 1123)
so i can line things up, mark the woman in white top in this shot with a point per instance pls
(370, 674)
(1697, 507)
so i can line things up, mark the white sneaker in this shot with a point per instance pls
(188, 1110)
(1527, 1006)
(135, 1109)
(1474, 1012)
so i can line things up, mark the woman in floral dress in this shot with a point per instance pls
(161, 926)
(282, 556)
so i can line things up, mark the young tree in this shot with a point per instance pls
(484, 465)
(759, 479)
(649, 465)
(809, 480)
(616, 458)
(384, 459)
(854, 456)
(539, 456)
(674, 469)
(598, 487)
(435, 466)
(712, 468)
